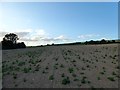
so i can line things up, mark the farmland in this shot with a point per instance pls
(75, 66)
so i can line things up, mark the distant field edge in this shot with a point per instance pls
(60, 88)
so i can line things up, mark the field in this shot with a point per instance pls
(75, 66)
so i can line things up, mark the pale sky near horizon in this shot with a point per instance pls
(38, 23)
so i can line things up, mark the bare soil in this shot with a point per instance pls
(74, 66)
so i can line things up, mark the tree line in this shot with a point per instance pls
(10, 42)
(91, 42)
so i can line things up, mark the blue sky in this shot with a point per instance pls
(43, 23)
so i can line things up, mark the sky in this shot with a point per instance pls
(41, 23)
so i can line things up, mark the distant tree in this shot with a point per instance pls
(103, 41)
(53, 44)
(109, 42)
(91, 42)
(86, 42)
(11, 37)
(97, 42)
(48, 44)
(113, 41)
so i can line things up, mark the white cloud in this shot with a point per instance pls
(60, 37)
(35, 36)
(87, 36)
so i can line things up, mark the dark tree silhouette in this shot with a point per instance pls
(10, 42)
(11, 37)
(103, 41)
(113, 41)
(21, 45)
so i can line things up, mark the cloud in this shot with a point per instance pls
(28, 39)
(88, 36)
(22, 34)
(35, 36)
(59, 38)
(2, 33)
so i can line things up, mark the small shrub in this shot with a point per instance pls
(21, 63)
(51, 77)
(70, 70)
(113, 73)
(76, 79)
(82, 73)
(83, 68)
(56, 59)
(98, 78)
(43, 71)
(66, 81)
(46, 67)
(83, 81)
(13, 62)
(16, 85)
(74, 65)
(103, 67)
(102, 73)
(73, 61)
(24, 80)
(15, 76)
(77, 68)
(117, 76)
(89, 82)
(39, 60)
(111, 78)
(8, 73)
(104, 61)
(63, 75)
(36, 68)
(61, 66)
(56, 64)
(87, 66)
(26, 70)
(74, 75)
(83, 59)
(84, 77)
(55, 67)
